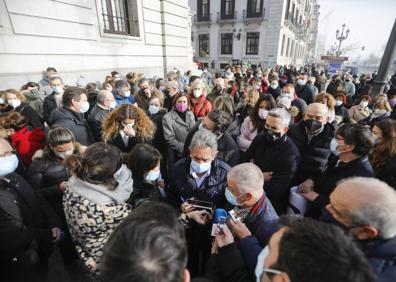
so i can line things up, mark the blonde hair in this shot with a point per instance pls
(330, 99)
(198, 83)
(19, 95)
(252, 96)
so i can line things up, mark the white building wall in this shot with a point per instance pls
(68, 35)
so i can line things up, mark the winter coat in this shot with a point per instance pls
(280, 157)
(183, 185)
(228, 150)
(387, 172)
(67, 118)
(314, 153)
(120, 100)
(176, 130)
(357, 113)
(49, 106)
(381, 255)
(26, 221)
(35, 100)
(200, 106)
(248, 133)
(95, 120)
(334, 173)
(343, 114)
(26, 142)
(306, 93)
(31, 115)
(92, 214)
(45, 179)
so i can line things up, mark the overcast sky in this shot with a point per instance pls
(370, 23)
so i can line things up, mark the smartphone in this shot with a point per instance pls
(201, 205)
(233, 215)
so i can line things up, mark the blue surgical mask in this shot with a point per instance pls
(152, 176)
(153, 109)
(231, 198)
(200, 168)
(8, 164)
(58, 90)
(333, 147)
(84, 107)
(260, 263)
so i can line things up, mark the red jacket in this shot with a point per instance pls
(201, 107)
(26, 142)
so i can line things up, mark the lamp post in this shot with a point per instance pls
(341, 37)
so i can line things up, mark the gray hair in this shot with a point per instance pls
(102, 95)
(378, 210)
(203, 138)
(121, 83)
(282, 114)
(248, 178)
(143, 80)
(55, 78)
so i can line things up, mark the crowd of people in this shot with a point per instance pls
(126, 179)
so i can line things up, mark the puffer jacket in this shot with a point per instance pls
(93, 212)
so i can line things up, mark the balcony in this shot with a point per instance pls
(253, 18)
(199, 20)
(224, 19)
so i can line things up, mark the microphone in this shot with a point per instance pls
(219, 220)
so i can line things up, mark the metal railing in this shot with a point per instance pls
(226, 18)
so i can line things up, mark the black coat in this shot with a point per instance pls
(31, 115)
(143, 191)
(119, 143)
(387, 173)
(381, 255)
(334, 173)
(228, 150)
(49, 106)
(95, 119)
(45, 179)
(280, 157)
(159, 140)
(26, 219)
(343, 113)
(274, 92)
(306, 93)
(314, 154)
(67, 118)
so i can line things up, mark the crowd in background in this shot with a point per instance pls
(84, 167)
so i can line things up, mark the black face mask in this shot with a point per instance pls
(313, 126)
(272, 136)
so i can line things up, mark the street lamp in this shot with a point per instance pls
(341, 37)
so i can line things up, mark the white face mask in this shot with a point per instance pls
(63, 155)
(127, 94)
(8, 164)
(84, 107)
(15, 103)
(260, 263)
(113, 105)
(197, 93)
(363, 104)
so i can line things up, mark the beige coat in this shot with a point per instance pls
(358, 113)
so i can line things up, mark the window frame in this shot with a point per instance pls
(250, 6)
(200, 17)
(223, 46)
(200, 43)
(138, 16)
(223, 14)
(249, 41)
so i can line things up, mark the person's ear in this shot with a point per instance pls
(245, 198)
(186, 276)
(285, 130)
(214, 155)
(364, 232)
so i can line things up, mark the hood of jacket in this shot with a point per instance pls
(101, 195)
